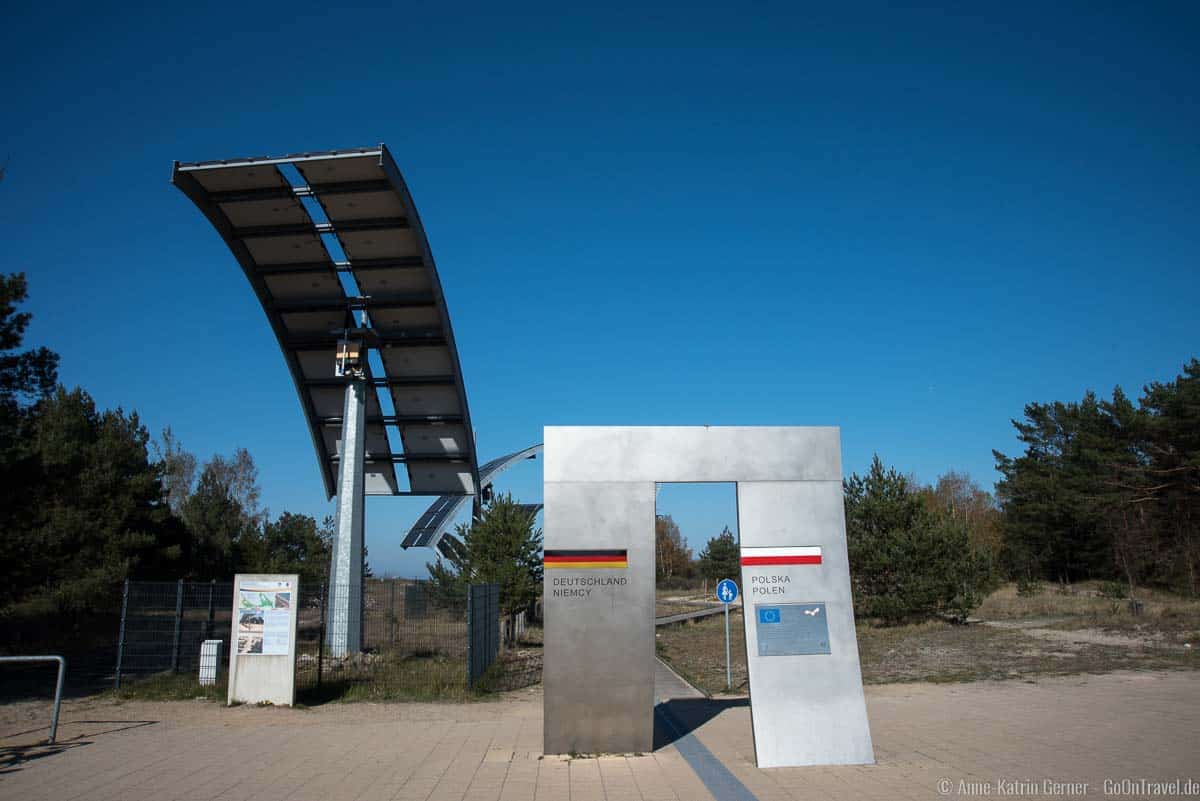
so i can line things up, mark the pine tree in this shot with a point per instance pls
(94, 512)
(503, 547)
(721, 557)
(908, 561)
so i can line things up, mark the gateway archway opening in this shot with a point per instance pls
(696, 545)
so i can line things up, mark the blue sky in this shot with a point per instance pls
(904, 222)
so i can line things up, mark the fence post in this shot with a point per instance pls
(392, 612)
(178, 626)
(321, 636)
(493, 623)
(121, 635)
(208, 627)
(470, 635)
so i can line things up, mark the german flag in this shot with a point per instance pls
(586, 559)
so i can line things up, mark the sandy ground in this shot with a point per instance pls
(1086, 636)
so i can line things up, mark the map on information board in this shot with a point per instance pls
(264, 618)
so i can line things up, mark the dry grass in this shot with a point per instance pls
(385, 678)
(1081, 606)
(942, 652)
(1048, 602)
(413, 678)
(170, 687)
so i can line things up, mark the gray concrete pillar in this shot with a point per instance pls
(598, 673)
(344, 627)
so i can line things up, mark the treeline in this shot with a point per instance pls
(89, 499)
(1107, 488)
(675, 567)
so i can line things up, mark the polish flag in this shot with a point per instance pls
(800, 555)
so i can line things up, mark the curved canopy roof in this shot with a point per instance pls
(336, 238)
(433, 526)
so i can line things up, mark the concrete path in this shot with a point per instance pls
(668, 684)
(671, 691)
(961, 738)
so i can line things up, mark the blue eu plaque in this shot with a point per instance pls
(792, 629)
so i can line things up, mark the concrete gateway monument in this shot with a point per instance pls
(806, 694)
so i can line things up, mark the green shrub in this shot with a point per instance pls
(909, 561)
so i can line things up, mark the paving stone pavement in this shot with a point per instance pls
(1083, 729)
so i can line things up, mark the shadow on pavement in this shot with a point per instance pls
(679, 717)
(14, 757)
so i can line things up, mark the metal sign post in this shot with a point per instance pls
(58, 687)
(727, 593)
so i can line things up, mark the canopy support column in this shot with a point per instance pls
(346, 571)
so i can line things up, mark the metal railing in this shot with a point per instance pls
(62, 672)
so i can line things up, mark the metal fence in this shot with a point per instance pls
(163, 624)
(414, 640)
(417, 642)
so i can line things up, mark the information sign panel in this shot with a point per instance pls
(792, 629)
(262, 648)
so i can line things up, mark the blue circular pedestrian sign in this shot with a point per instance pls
(726, 591)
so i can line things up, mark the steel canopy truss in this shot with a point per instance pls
(265, 222)
(432, 529)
